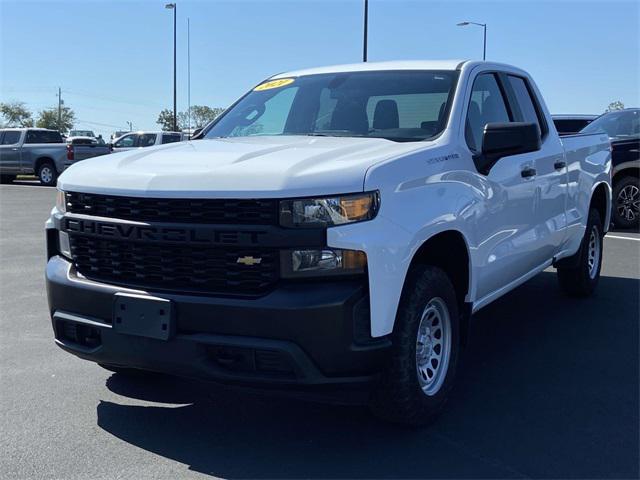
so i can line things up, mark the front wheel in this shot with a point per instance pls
(581, 279)
(47, 174)
(425, 348)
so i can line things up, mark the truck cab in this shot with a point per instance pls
(334, 229)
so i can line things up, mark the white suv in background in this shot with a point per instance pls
(133, 140)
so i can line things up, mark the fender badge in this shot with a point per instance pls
(249, 261)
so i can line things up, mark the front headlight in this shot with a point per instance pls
(61, 202)
(329, 211)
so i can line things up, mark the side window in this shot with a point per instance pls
(147, 140)
(487, 105)
(127, 141)
(43, 136)
(10, 137)
(528, 112)
(170, 138)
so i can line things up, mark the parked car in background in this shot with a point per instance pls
(571, 124)
(82, 133)
(118, 134)
(81, 148)
(25, 151)
(336, 227)
(623, 129)
(146, 139)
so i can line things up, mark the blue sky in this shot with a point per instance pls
(113, 59)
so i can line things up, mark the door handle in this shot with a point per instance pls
(559, 165)
(15, 149)
(528, 172)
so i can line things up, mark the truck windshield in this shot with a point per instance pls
(396, 105)
(621, 124)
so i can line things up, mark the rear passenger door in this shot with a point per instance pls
(551, 179)
(10, 152)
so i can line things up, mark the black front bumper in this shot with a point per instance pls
(304, 335)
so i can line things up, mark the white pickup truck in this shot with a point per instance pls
(335, 228)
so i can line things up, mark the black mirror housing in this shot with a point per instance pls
(504, 139)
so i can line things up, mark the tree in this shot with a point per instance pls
(16, 114)
(165, 120)
(49, 119)
(201, 115)
(613, 106)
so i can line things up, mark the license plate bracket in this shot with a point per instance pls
(143, 316)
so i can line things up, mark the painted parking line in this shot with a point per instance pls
(618, 237)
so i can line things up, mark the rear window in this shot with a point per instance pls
(564, 125)
(528, 110)
(147, 140)
(10, 137)
(43, 136)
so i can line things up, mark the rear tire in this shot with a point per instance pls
(415, 385)
(48, 174)
(581, 280)
(626, 202)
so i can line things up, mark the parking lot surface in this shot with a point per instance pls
(549, 388)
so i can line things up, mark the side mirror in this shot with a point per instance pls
(504, 139)
(195, 133)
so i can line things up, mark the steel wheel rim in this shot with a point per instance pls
(433, 346)
(628, 203)
(46, 174)
(593, 252)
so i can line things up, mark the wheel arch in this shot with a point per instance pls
(42, 160)
(601, 200)
(449, 251)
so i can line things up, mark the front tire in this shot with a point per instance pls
(626, 202)
(581, 279)
(48, 174)
(426, 344)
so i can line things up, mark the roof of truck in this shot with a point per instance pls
(373, 66)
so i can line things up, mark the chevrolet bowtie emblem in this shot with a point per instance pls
(249, 260)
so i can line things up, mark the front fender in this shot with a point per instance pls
(392, 239)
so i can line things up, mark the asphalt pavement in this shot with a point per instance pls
(549, 387)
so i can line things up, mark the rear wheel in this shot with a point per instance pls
(47, 174)
(581, 279)
(426, 340)
(626, 208)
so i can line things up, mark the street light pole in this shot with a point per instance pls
(172, 6)
(366, 28)
(484, 43)
(189, 73)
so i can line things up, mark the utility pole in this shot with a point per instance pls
(366, 22)
(189, 73)
(174, 7)
(130, 126)
(59, 107)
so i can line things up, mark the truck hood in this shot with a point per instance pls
(246, 167)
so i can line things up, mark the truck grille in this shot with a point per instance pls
(194, 269)
(180, 210)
